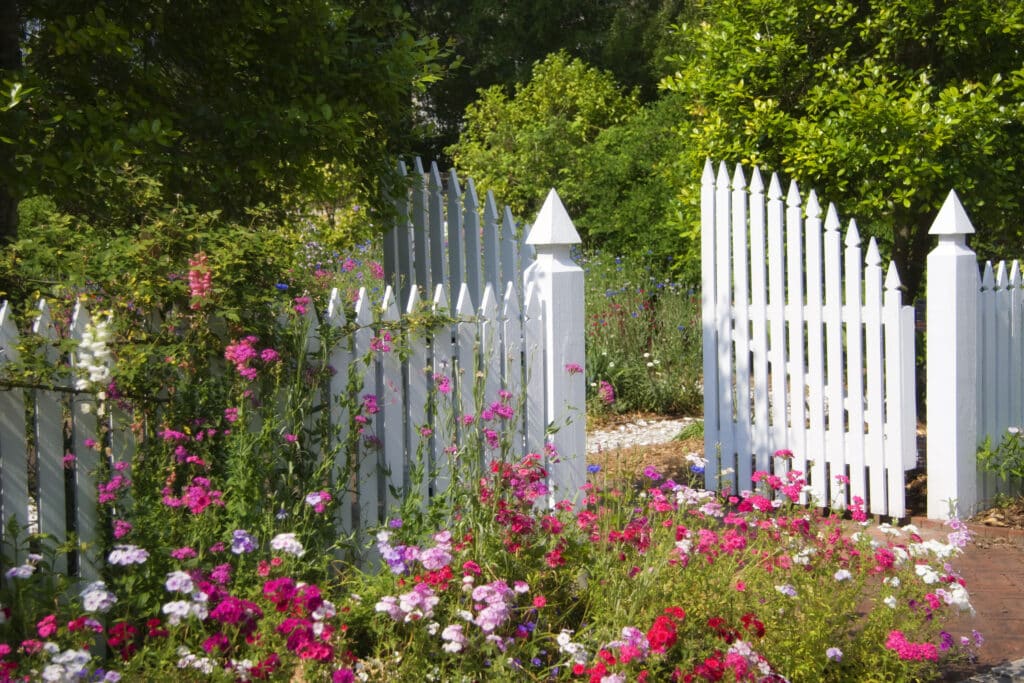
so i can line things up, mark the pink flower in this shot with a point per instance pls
(121, 528)
(573, 368)
(47, 626)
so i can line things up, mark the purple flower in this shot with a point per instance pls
(834, 654)
(125, 555)
(242, 542)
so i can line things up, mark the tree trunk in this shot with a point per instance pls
(10, 63)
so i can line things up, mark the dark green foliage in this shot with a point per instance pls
(883, 107)
(231, 105)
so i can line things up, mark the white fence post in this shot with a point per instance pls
(952, 371)
(560, 284)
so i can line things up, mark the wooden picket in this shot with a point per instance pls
(805, 349)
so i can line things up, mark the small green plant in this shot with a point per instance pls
(694, 430)
(1006, 460)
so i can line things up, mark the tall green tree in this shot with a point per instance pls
(882, 105)
(230, 105)
(521, 145)
(497, 43)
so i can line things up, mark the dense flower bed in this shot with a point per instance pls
(668, 583)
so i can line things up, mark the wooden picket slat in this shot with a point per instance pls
(853, 314)
(490, 345)
(875, 445)
(709, 324)
(777, 318)
(721, 462)
(795, 319)
(392, 402)
(421, 244)
(456, 250)
(340, 359)
(471, 233)
(87, 460)
(465, 357)
(435, 223)
(418, 426)
(815, 449)
(512, 364)
(835, 393)
(446, 412)
(761, 438)
(49, 433)
(741, 336)
(897, 400)
(13, 448)
(492, 264)
(368, 480)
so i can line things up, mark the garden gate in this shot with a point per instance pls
(806, 351)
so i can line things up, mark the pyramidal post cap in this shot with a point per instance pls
(553, 225)
(952, 218)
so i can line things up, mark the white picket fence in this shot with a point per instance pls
(806, 349)
(521, 335)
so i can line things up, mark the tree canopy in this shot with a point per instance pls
(230, 105)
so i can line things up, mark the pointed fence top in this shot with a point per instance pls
(739, 181)
(774, 188)
(831, 217)
(708, 178)
(435, 177)
(756, 184)
(793, 195)
(813, 206)
(852, 235)
(553, 225)
(892, 278)
(873, 258)
(952, 218)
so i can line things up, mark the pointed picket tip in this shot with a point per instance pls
(44, 321)
(8, 335)
(988, 280)
(813, 207)
(508, 222)
(739, 181)
(413, 304)
(454, 189)
(488, 302)
(1015, 274)
(553, 225)
(490, 207)
(793, 196)
(774, 187)
(852, 235)
(79, 319)
(464, 304)
(872, 258)
(417, 165)
(952, 218)
(756, 184)
(389, 305)
(440, 300)
(832, 218)
(435, 177)
(364, 314)
(892, 278)
(708, 177)
(510, 303)
(335, 309)
(1001, 275)
(471, 201)
(402, 170)
(722, 181)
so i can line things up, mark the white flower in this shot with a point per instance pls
(176, 611)
(842, 575)
(96, 597)
(287, 543)
(927, 574)
(179, 582)
(890, 602)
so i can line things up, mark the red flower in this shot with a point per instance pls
(662, 634)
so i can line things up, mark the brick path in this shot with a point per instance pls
(993, 567)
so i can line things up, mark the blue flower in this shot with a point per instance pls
(593, 469)
(281, 287)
